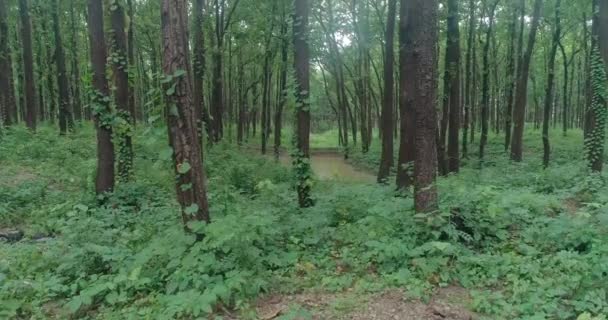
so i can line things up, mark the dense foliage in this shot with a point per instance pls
(529, 244)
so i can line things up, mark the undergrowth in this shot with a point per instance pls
(528, 243)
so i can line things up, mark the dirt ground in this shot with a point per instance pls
(447, 304)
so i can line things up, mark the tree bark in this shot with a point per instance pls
(302, 77)
(66, 121)
(453, 58)
(407, 113)
(510, 78)
(387, 119)
(549, 93)
(485, 88)
(76, 98)
(422, 18)
(120, 67)
(190, 184)
(469, 95)
(521, 92)
(278, 116)
(6, 75)
(104, 180)
(199, 69)
(29, 85)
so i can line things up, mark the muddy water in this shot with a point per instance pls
(332, 166)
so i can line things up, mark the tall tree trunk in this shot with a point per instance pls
(50, 72)
(453, 58)
(104, 180)
(6, 75)
(217, 100)
(551, 85)
(302, 77)
(31, 105)
(510, 78)
(566, 104)
(485, 89)
(120, 67)
(76, 98)
(407, 113)
(190, 184)
(423, 19)
(386, 160)
(595, 140)
(65, 109)
(469, 95)
(202, 118)
(278, 116)
(521, 97)
(131, 60)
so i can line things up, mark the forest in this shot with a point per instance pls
(303, 159)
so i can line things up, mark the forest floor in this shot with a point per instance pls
(511, 241)
(449, 303)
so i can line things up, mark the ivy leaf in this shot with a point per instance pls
(183, 168)
(192, 209)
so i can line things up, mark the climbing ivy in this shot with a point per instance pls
(594, 142)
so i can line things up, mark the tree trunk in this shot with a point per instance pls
(469, 95)
(76, 99)
(510, 78)
(104, 180)
(423, 20)
(6, 75)
(131, 60)
(407, 113)
(453, 58)
(302, 79)
(190, 184)
(199, 69)
(521, 97)
(29, 86)
(485, 89)
(595, 140)
(65, 109)
(386, 160)
(278, 116)
(550, 86)
(121, 95)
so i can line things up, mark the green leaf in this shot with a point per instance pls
(183, 168)
(192, 209)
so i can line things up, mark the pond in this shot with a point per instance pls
(331, 165)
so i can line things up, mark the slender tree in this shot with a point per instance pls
(6, 75)
(190, 183)
(549, 92)
(485, 100)
(453, 63)
(278, 116)
(469, 95)
(29, 85)
(387, 119)
(120, 71)
(199, 65)
(102, 112)
(302, 77)
(510, 78)
(521, 92)
(65, 108)
(76, 99)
